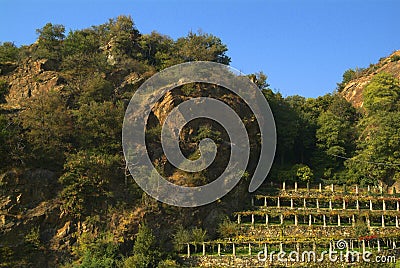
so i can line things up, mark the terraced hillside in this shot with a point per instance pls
(345, 220)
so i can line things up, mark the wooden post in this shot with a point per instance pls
(338, 220)
(295, 186)
(397, 222)
(284, 186)
(204, 249)
(368, 222)
(309, 220)
(188, 250)
(233, 249)
(265, 202)
(249, 249)
(397, 206)
(295, 220)
(281, 247)
(252, 219)
(370, 204)
(357, 205)
(344, 204)
(353, 221)
(383, 205)
(356, 189)
(330, 204)
(304, 203)
(278, 203)
(332, 188)
(219, 249)
(379, 245)
(238, 219)
(324, 218)
(320, 187)
(383, 221)
(266, 219)
(291, 203)
(369, 188)
(281, 219)
(317, 204)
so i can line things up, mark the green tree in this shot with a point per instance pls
(4, 89)
(156, 49)
(260, 79)
(228, 229)
(378, 154)
(8, 52)
(333, 133)
(50, 41)
(12, 144)
(181, 237)
(98, 126)
(304, 143)
(201, 47)
(305, 173)
(96, 89)
(81, 42)
(198, 236)
(123, 35)
(87, 181)
(145, 251)
(287, 125)
(96, 251)
(348, 75)
(378, 147)
(47, 128)
(382, 94)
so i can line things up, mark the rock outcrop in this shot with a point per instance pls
(353, 90)
(31, 77)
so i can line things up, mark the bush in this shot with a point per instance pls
(8, 52)
(168, 264)
(181, 237)
(361, 229)
(96, 251)
(395, 58)
(33, 237)
(4, 89)
(145, 251)
(228, 229)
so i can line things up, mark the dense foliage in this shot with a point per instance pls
(76, 132)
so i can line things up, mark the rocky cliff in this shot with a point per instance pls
(353, 90)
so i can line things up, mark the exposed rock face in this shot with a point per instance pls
(353, 91)
(31, 77)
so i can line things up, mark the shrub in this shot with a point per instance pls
(181, 237)
(395, 58)
(228, 229)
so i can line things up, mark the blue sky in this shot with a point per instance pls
(303, 46)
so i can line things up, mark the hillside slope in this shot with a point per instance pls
(353, 90)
